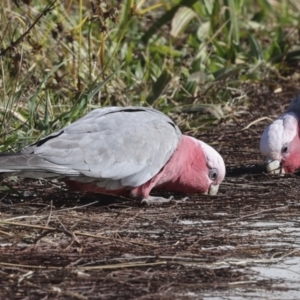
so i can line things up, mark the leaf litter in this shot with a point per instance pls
(241, 244)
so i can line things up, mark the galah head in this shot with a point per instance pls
(280, 142)
(215, 168)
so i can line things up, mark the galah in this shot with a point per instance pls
(123, 151)
(280, 141)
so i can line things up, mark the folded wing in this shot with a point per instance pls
(116, 146)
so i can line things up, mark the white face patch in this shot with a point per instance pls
(213, 159)
(282, 131)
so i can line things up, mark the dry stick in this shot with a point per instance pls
(74, 237)
(166, 260)
(163, 260)
(75, 232)
(115, 266)
(49, 216)
(242, 282)
(19, 40)
(76, 207)
(128, 220)
(260, 212)
(257, 121)
(152, 257)
(50, 213)
(122, 265)
(5, 233)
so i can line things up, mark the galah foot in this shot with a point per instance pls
(155, 200)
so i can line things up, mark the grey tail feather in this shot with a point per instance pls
(10, 161)
(32, 166)
(10, 154)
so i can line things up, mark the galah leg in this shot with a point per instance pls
(154, 200)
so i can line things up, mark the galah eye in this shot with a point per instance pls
(213, 174)
(284, 148)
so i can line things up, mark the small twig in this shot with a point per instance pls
(122, 265)
(25, 217)
(77, 207)
(260, 212)
(119, 240)
(128, 221)
(50, 213)
(4, 264)
(242, 282)
(19, 40)
(102, 267)
(6, 233)
(75, 232)
(183, 261)
(71, 233)
(289, 254)
(257, 121)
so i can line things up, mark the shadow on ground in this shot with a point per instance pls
(241, 244)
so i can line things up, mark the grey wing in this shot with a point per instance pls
(118, 146)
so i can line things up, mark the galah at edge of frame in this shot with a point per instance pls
(280, 141)
(124, 151)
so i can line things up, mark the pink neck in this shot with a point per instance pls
(292, 163)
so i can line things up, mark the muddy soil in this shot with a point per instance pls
(241, 244)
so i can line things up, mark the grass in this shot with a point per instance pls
(192, 61)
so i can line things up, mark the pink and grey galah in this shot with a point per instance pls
(126, 151)
(280, 141)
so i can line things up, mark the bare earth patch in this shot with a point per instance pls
(240, 244)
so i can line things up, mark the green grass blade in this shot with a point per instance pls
(167, 17)
(33, 100)
(181, 19)
(232, 16)
(255, 48)
(159, 86)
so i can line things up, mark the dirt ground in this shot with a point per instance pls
(56, 244)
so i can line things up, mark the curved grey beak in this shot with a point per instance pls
(213, 189)
(274, 166)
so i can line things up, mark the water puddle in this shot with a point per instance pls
(275, 275)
